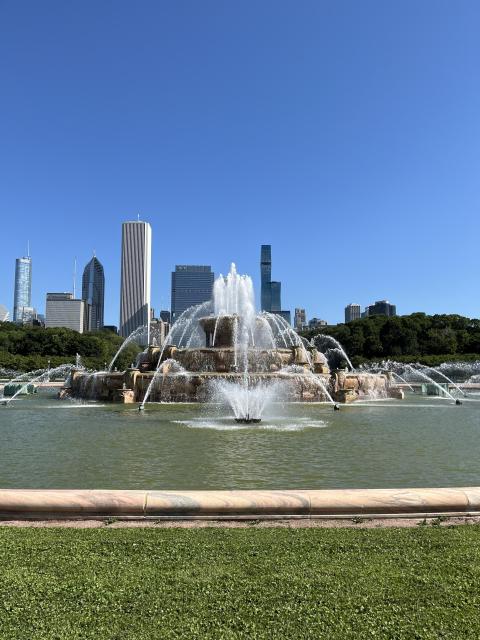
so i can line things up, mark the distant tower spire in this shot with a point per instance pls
(74, 276)
(28, 248)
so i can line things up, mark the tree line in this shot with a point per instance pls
(25, 348)
(414, 337)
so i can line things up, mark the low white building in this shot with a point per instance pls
(63, 310)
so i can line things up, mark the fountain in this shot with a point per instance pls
(26, 383)
(224, 351)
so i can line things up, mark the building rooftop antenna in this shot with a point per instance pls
(28, 248)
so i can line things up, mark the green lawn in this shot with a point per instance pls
(422, 582)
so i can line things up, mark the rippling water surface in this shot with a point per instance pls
(421, 441)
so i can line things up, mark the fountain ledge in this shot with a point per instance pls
(237, 504)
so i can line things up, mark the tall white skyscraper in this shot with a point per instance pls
(136, 277)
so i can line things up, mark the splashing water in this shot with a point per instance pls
(135, 335)
(44, 376)
(321, 338)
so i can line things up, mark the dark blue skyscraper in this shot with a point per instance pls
(276, 297)
(23, 288)
(93, 291)
(266, 277)
(271, 291)
(191, 284)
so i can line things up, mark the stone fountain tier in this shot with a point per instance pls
(131, 386)
(174, 387)
(219, 331)
(226, 359)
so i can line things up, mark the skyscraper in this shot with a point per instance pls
(93, 291)
(266, 277)
(191, 284)
(271, 291)
(136, 276)
(22, 301)
(352, 312)
(275, 297)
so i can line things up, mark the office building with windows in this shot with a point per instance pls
(352, 312)
(165, 315)
(93, 292)
(266, 277)
(381, 308)
(22, 300)
(270, 291)
(300, 320)
(63, 310)
(276, 297)
(136, 277)
(315, 323)
(191, 284)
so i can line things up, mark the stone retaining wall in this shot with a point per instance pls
(83, 504)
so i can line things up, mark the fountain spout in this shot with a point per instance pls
(248, 420)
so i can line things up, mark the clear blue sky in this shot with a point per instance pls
(346, 134)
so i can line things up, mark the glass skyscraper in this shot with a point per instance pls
(271, 290)
(191, 284)
(22, 300)
(276, 297)
(93, 291)
(266, 277)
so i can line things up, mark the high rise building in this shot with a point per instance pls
(271, 291)
(136, 277)
(191, 284)
(276, 297)
(352, 312)
(285, 315)
(22, 301)
(300, 319)
(266, 277)
(63, 310)
(165, 316)
(93, 291)
(381, 308)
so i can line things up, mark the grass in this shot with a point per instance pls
(422, 582)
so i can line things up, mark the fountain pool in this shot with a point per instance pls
(420, 441)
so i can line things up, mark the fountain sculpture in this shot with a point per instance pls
(224, 351)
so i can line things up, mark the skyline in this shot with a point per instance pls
(348, 140)
(42, 310)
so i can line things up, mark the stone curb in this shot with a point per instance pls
(71, 504)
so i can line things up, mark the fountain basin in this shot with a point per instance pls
(194, 386)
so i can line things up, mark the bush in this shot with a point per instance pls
(419, 337)
(30, 348)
